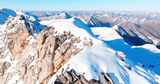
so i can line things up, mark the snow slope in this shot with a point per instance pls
(105, 33)
(139, 55)
(5, 13)
(100, 58)
(62, 25)
(146, 56)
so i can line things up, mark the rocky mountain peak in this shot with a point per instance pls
(37, 58)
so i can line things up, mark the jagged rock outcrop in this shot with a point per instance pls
(17, 33)
(64, 15)
(71, 77)
(98, 22)
(136, 34)
(133, 35)
(35, 58)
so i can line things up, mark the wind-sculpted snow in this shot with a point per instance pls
(147, 56)
(139, 56)
(93, 61)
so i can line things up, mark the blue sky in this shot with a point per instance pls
(149, 5)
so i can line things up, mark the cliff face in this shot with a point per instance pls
(36, 58)
(71, 76)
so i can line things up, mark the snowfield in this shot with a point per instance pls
(102, 57)
(106, 33)
(62, 25)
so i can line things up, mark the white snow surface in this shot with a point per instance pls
(149, 47)
(92, 61)
(136, 78)
(106, 33)
(100, 58)
(62, 25)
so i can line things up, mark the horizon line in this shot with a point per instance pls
(92, 10)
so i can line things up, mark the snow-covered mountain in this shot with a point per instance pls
(5, 13)
(135, 29)
(69, 51)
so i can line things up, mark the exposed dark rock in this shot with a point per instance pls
(95, 22)
(134, 31)
(158, 45)
(71, 77)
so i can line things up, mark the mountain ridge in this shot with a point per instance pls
(69, 51)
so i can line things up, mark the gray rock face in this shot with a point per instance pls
(3, 67)
(134, 35)
(71, 77)
(140, 33)
(98, 22)
(136, 30)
